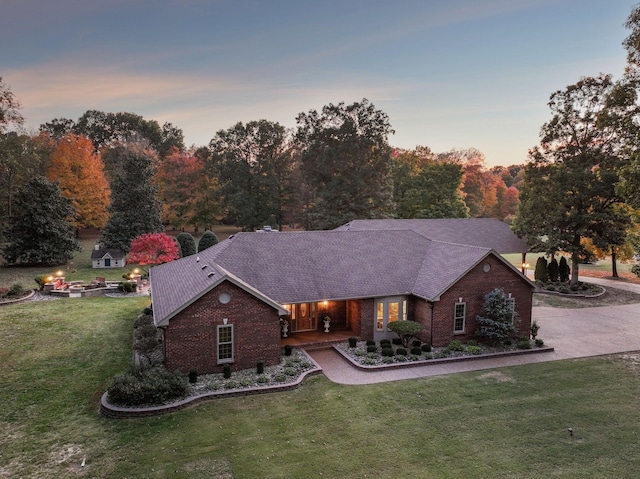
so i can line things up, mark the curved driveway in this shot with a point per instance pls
(573, 333)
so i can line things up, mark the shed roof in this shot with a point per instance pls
(111, 252)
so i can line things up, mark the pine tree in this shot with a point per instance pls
(40, 232)
(207, 240)
(135, 209)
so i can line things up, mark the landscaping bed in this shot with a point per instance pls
(364, 355)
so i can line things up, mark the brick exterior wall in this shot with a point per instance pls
(472, 288)
(422, 314)
(355, 316)
(367, 318)
(191, 337)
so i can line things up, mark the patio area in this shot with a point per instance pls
(316, 339)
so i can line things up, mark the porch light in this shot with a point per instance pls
(49, 279)
(325, 303)
(525, 265)
(136, 271)
(59, 273)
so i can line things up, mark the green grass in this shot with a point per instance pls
(58, 357)
(600, 265)
(81, 264)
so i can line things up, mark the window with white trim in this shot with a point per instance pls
(459, 314)
(225, 343)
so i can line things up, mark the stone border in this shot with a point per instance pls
(572, 295)
(19, 300)
(427, 362)
(117, 412)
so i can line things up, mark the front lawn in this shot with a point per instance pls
(58, 357)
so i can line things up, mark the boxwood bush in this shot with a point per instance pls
(146, 386)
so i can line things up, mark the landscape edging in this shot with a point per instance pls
(427, 362)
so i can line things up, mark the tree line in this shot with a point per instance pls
(579, 193)
(127, 176)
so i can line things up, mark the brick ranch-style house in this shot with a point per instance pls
(226, 305)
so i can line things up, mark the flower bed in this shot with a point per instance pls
(288, 371)
(361, 356)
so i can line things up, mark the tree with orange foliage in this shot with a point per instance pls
(152, 249)
(80, 173)
(183, 186)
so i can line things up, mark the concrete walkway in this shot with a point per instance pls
(574, 333)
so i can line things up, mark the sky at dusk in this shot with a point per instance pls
(449, 73)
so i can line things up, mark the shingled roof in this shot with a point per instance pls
(311, 266)
(484, 232)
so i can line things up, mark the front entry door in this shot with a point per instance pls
(388, 310)
(305, 317)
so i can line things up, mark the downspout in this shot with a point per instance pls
(431, 305)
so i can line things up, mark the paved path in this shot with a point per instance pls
(574, 333)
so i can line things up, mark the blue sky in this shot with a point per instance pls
(449, 73)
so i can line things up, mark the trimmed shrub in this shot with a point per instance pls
(288, 349)
(127, 287)
(539, 342)
(416, 351)
(563, 289)
(396, 341)
(260, 367)
(15, 290)
(226, 371)
(523, 344)
(541, 273)
(428, 356)
(406, 330)
(563, 270)
(387, 352)
(385, 341)
(401, 352)
(187, 244)
(475, 350)
(207, 240)
(456, 345)
(550, 287)
(416, 343)
(426, 348)
(371, 342)
(371, 348)
(553, 269)
(41, 279)
(146, 386)
(353, 342)
(193, 376)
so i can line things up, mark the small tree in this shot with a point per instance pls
(499, 322)
(406, 330)
(563, 270)
(207, 240)
(541, 273)
(553, 270)
(152, 249)
(187, 244)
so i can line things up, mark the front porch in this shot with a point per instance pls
(316, 339)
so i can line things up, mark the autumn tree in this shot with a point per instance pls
(152, 249)
(345, 160)
(569, 188)
(134, 209)
(425, 187)
(252, 164)
(185, 190)
(80, 173)
(39, 232)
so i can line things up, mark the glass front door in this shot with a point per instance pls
(304, 317)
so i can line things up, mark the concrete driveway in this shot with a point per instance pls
(573, 333)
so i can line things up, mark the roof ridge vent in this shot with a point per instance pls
(210, 274)
(204, 266)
